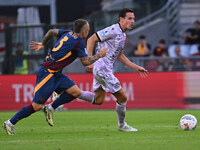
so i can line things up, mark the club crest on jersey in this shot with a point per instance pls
(104, 33)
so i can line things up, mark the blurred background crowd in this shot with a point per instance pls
(165, 37)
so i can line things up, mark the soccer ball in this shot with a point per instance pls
(188, 122)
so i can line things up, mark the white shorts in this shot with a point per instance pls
(105, 80)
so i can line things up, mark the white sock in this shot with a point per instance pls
(9, 123)
(87, 96)
(50, 107)
(121, 113)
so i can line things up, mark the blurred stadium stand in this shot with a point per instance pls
(159, 19)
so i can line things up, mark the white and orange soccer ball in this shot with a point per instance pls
(188, 122)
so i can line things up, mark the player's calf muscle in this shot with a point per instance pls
(74, 91)
(36, 106)
(99, 99)
(98, 102)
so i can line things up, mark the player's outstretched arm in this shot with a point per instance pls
(86, 61)
(48, 36)
(123, 59)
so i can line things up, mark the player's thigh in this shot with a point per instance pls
(68, 85)
(120, 96)
(106, 80)
(100, 95)
(74, 91)
(45, 85)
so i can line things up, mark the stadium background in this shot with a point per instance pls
(155, 104)
(22, 22)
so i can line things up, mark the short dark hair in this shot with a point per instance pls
(79, 24)
(197, 22)
(123, 12)
(175, 42)
(19, 44)
(162, 41)
(142, 37)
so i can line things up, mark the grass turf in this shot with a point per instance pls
(96, 129)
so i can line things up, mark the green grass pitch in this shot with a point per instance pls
(96, 130)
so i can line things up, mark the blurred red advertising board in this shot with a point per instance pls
(158, 90)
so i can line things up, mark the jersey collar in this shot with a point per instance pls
(120, 27)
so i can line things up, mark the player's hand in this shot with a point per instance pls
(103, 52)
(143, 72)
(89, 68)
(36, 46)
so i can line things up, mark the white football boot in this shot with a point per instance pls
(48, 114)
(126, 127)
(9, 128)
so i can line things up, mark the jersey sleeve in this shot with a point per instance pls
(61, 32)
(106, 33)
(82, 51)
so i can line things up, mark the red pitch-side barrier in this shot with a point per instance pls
(158, 90)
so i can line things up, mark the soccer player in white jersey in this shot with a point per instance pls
(113, 38)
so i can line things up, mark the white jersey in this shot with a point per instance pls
(113, 38)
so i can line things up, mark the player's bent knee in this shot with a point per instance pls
(122, 99)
